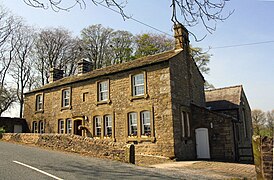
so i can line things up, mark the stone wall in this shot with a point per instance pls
(220, 132)
(73, 143)
(187, 87)
(263, 157)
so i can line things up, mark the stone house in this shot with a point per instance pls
(156, 102)
(232, 101)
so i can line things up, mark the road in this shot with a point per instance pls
(32, 163)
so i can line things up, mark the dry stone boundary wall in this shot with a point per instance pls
(263, 157)
(77, 144)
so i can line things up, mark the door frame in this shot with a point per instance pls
(205, 147)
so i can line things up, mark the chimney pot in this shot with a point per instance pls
(55, 74)
(181, 36)
(84, 66)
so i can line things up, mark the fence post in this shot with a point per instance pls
(131, 153)
(257, 156)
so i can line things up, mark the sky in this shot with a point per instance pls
(242, 47)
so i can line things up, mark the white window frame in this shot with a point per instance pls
(41, 127)
(39, 102)
(61, 126)
(66, 98)
(108, 125)
(35, 127)
(132, 122)
(97, 126)
(136, 86)
(69, 126)
(103, 89)
(146, 121)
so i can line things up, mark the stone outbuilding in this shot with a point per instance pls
(156, 102)
(13, 125)
(232, 101)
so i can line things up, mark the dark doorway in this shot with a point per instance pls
(77, 131)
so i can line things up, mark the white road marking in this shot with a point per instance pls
(43, 172)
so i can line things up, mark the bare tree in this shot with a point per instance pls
(196, 11)
(207, 12)
(21, 69)
(258, 120)
(7, 98)
(8, 24)
(55, 48)
(96, 45)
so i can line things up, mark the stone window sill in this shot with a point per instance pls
(145, 96)
(66, 108)
(103, 102)
(39, 111)
(105, 137)
(140, 139)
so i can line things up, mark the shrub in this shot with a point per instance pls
(2, 130)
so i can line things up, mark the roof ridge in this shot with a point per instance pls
(227, 87)
(143, 61)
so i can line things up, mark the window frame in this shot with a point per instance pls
(63, 99)
(61, 126)
(244, 123)
(97, 126)
(40, 103)
(103, 91)
(143, 133)
(107, 92)
(107, 126)
(130, 124)
(185, 117)
(132, 86)
(102, 115)
(136, 86)
(35, 127)
(69, 128)
(140, 137)
(41, 127)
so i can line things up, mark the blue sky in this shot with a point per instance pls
(252, 22)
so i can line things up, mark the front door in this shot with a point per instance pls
(202, 143)
(77, 131)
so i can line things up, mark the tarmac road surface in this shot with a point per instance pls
(20, 162)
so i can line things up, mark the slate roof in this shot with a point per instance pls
(140, 62)
(224, 98)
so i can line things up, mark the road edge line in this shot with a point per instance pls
(38, 170)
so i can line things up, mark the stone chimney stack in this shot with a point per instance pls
(181, 37)
(84, 66)
(55, 74)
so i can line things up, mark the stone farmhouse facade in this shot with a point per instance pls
(156, 102)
